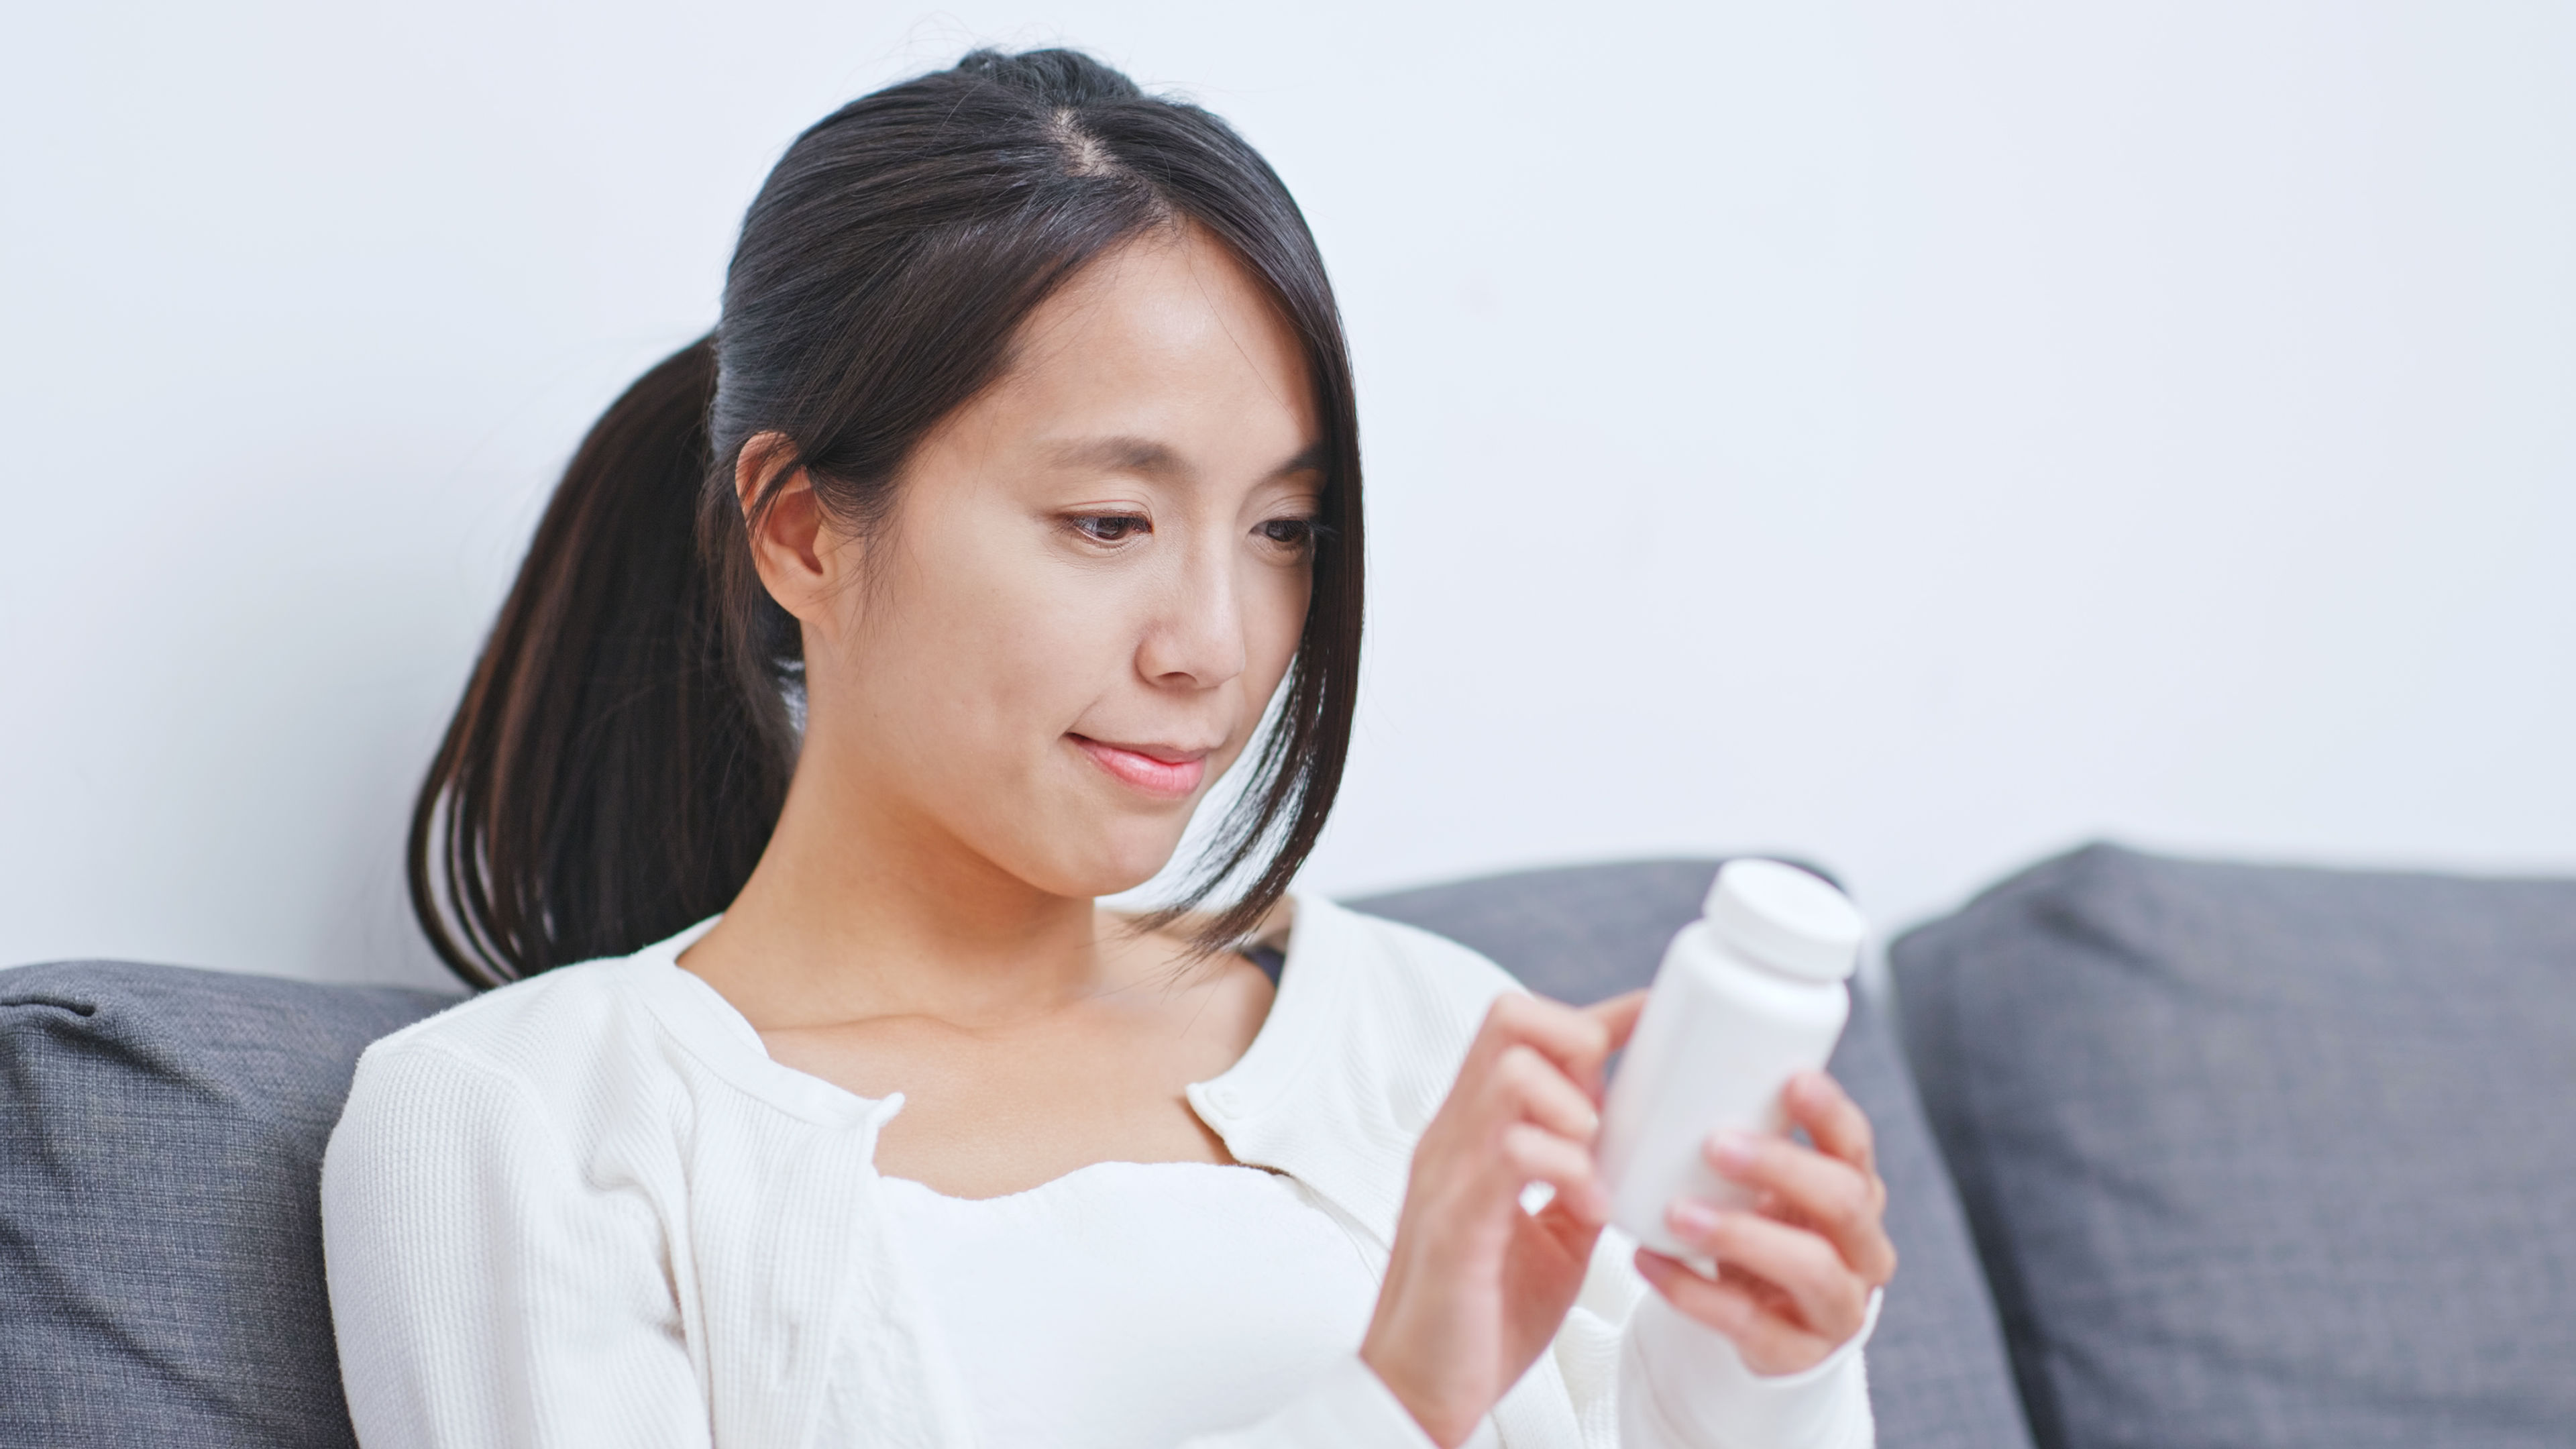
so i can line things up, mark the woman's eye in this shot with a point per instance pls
(1111, 527)
(1289, 532)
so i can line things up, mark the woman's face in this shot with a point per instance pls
(1093, 578)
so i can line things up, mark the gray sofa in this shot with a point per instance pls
(2179, 1155)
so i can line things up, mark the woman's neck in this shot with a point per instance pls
(855, 912)
(1029, 1033)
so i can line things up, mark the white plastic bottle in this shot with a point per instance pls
(1749, 994)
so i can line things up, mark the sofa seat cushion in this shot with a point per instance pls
(2264, 1156)
(161, 1135)
(1937, 1372)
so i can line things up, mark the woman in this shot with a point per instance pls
(864, 646)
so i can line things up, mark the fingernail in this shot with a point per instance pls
(1692, 1219)
(1731, 1151)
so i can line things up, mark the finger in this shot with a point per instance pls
(1832, 1195)
(1528, 1086)
(1573, 1039)
(1769, 1296)
(1840, 1128)
(1830, 1297)
(1769, 1343)
(1537, 1155)
(1574, 1233)
(1619, 1014)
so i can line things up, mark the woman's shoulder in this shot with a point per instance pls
(1393, 1006)
(567, 1053)
(1405, 964)
(539, 1111)
(530, 1028)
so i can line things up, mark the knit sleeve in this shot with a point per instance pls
(1683, 1386)
(483, 1288)
(1644, 1376)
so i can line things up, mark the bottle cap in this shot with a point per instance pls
(1786, 919)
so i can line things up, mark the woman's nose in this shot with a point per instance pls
(1195, 637)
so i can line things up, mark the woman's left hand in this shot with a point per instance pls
(1794, 1273)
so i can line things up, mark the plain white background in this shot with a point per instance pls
(1921, 436)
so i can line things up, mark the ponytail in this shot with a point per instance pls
(607, 780)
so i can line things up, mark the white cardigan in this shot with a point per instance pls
(588, 1208)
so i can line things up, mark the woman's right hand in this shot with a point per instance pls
(1475, 1287)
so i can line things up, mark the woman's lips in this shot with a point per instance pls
(1165, 774)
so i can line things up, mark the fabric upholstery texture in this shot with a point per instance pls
(161, 1137)
(2264, 1156)
(1937, 1371)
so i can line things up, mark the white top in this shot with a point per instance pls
(588, 1208)
(1134, 1303)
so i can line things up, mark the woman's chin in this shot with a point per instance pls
(1118, 865)
(1093, 858)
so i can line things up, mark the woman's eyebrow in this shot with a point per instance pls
(1313, 460)
(1122, 455)
(1143, 456)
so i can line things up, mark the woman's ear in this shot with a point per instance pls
(793, 545)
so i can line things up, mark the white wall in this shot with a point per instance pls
(1916, 435)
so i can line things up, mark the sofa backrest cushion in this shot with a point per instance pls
(161, 1136)
(2264, 1156)
(1937, 1372)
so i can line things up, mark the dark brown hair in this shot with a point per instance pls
(624, 745)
